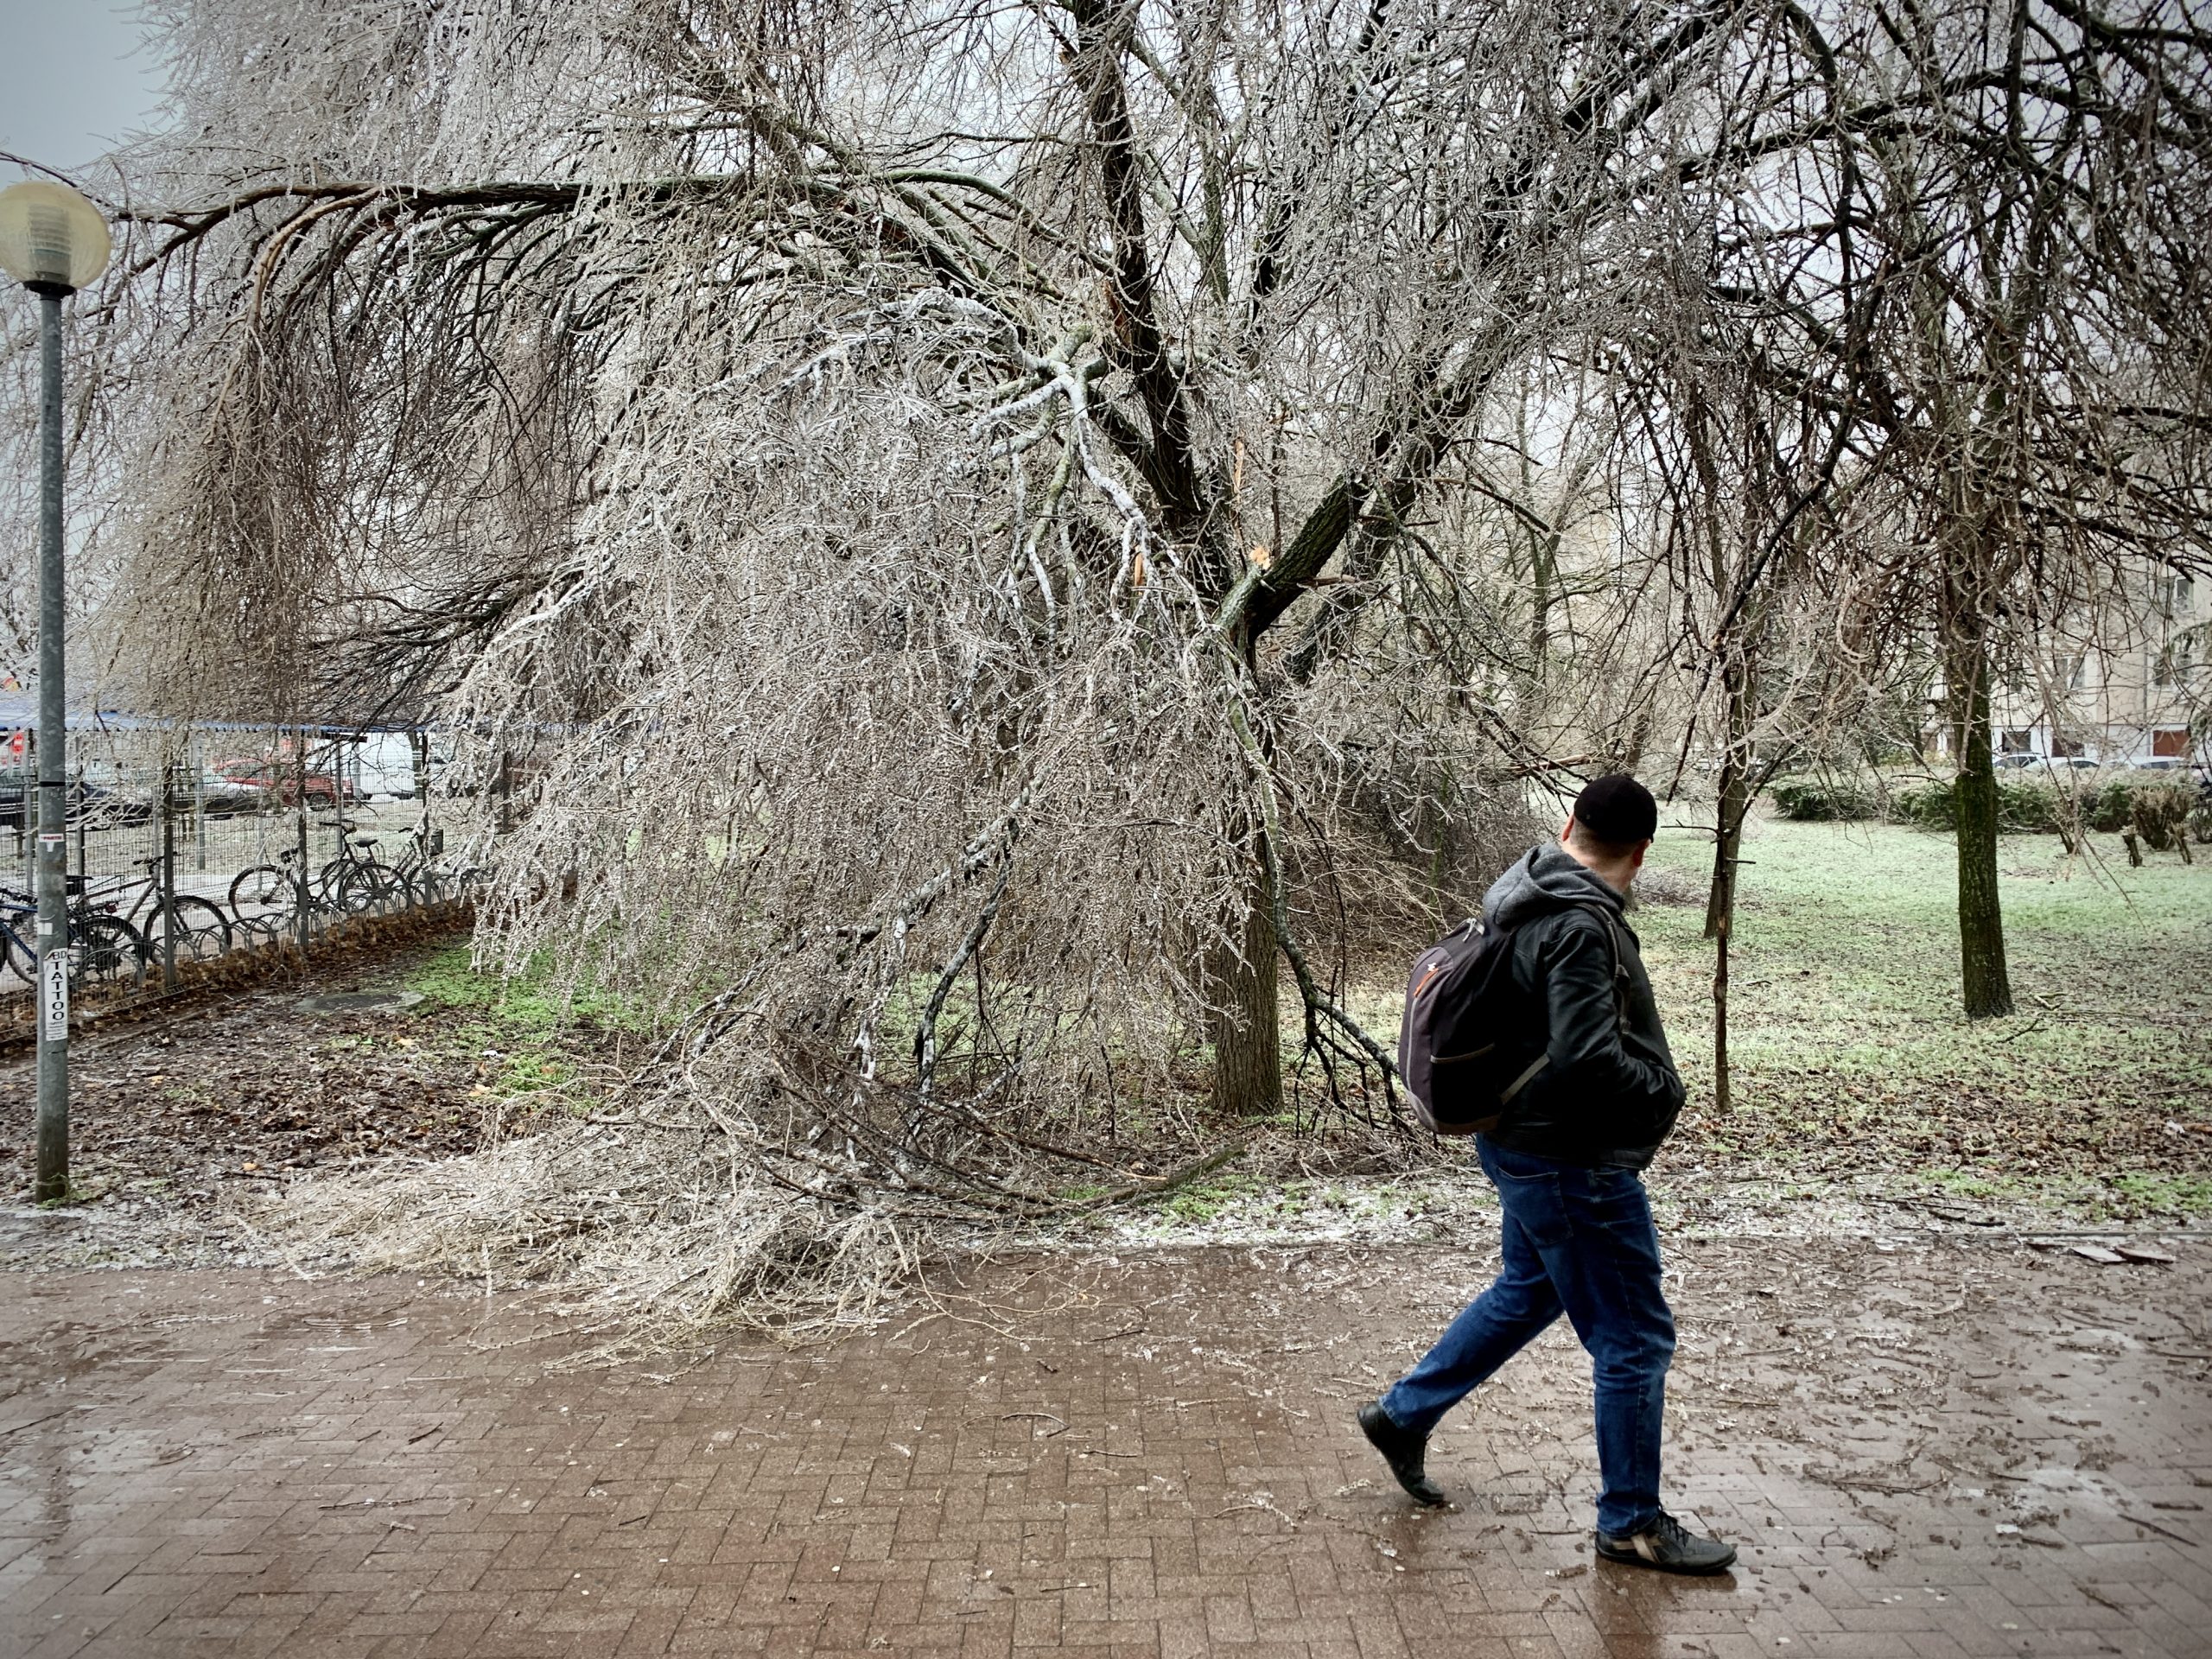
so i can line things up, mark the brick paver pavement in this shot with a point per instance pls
(1933, 1448)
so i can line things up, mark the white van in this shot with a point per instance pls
(382, 765)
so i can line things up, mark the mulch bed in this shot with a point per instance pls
(182, 1100)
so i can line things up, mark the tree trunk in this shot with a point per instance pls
(1630, 758)
(1723, 1090)
(1734, 803)
(1243, 1021)
(1987, 988)
(1720, 909)
(1728, 850)
(1543, 564)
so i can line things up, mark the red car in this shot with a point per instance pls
(280, 777)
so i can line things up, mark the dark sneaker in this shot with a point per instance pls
(1404, 1453)
(1670, 1547)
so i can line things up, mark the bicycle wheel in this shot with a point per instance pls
(391, 886)
(260, 931)
(203, 932)
(353, 885)
(258, 888)
(427, 883)
(105, 953)
(401, 892)
(16, 955)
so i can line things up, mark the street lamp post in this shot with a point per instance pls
(53, 241)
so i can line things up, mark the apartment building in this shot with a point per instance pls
(2142, 694)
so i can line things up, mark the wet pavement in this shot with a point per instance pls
(1937, 1445)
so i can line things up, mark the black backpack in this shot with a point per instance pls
(1462, 1051)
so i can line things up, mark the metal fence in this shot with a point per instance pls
(181, 852)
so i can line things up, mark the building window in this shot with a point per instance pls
(2176, 595)
(2016, 740)
(2172, 740)
(2172, 665)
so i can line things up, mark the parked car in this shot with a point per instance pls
(88, 803)
(280, 781)
(2019, 761)
(220, 796)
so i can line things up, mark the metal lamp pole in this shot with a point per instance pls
(53, 1177)
(53, 242)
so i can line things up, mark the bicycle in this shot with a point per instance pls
(265, 898)
(17, 954)
(357, 880)
(347, 885)
(104, 951)
(202, 932)
(422, 872)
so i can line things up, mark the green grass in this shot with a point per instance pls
(527, 1001)
(1850, 1054)
(1199, 1202)
(2176, 1194)
(1848, 1049)
(518, 1035)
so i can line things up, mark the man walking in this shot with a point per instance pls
(1578, 1236)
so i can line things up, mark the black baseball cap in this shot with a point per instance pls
(1617, 810)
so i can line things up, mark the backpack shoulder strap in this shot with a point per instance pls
(1612, 926)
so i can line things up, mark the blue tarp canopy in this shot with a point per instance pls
(19, 709)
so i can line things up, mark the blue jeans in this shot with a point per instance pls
(1580, 1241)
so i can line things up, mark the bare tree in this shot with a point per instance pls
(979, 529)
(863, 461)
(2037, 177)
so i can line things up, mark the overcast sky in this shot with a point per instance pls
(78, 80)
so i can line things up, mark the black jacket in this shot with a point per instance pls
(1609, 1093)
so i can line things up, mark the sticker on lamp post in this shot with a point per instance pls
(53, 996)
